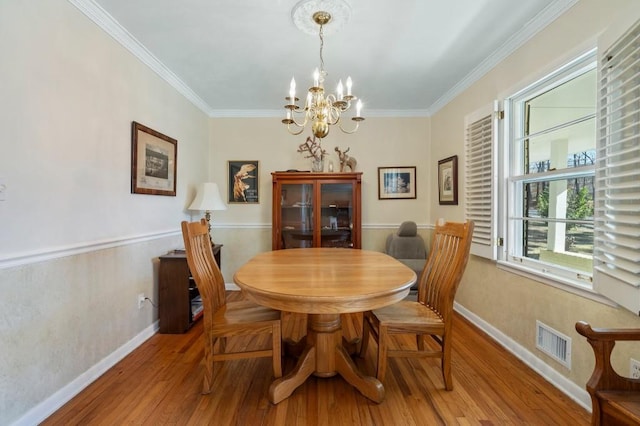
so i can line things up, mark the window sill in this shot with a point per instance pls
(556, 282)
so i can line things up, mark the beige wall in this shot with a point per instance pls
(380, 142)
(76, 247)
(507, 302)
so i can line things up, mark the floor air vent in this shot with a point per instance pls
(553, 343)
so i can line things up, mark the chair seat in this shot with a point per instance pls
(622, 405)
(243, 313)
(408, 312)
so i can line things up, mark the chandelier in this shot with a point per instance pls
(320, 109)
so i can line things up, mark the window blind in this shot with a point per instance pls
(480, 183)
(617, 201)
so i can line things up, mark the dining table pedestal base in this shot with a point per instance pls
(325, 356)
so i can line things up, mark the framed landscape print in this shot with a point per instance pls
(243, 182)
(396, 183)
(448, 181)
(153, 162)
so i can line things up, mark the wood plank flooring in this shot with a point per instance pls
(160, 383)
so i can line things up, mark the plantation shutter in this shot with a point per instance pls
(480, 180)
(617, 200)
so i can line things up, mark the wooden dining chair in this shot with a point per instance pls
(224, 319)
(431, 314)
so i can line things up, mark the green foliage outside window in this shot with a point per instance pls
(579, 204)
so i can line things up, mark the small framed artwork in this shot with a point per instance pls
(448, 181)
(243, 182)
(153, 162)
(396, 183)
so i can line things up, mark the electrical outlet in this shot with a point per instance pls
(634, 369)
(141, 299)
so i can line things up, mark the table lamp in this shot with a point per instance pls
(208, 199)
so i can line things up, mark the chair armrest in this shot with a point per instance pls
(607, 333)
(602, 340)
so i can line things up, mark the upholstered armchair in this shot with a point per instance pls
(407, 246)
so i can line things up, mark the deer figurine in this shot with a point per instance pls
(346, 160)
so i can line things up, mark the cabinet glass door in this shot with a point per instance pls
(336, 215)
(296, 202)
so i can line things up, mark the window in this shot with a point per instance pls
(549, 156)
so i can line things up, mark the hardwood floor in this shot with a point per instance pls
(160, 383)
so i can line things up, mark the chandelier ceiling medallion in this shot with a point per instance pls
(320, 109)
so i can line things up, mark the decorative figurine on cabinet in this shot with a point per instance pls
(346, 160)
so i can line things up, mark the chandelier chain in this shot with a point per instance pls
(321, 48)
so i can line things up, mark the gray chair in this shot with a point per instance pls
(408, 247)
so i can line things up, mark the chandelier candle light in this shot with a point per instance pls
(320, 109)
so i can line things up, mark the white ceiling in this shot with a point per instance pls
(406, 57)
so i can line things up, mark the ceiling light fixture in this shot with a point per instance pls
(319, 109)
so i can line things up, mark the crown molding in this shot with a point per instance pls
(533, 27)
(107, 23)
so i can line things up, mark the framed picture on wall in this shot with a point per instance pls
(396, 183)
(153, 161)
(448, 181)
(243, 184)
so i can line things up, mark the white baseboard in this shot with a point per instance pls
(569, 388)
(47, 407)
(231, 287)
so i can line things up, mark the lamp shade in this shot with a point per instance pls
(208, 198)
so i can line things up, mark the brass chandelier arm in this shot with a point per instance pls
(333, 117)
(291, 120)
(355, 129)
(293, 132)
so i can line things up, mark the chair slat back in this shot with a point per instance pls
(445, 265)
(203, 266)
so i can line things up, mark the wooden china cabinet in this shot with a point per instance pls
(316, 210)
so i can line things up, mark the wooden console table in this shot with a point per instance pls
(179, 304)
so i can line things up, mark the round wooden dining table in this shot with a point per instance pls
(324, 283)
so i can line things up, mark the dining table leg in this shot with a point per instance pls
(284, 386)
(325, 356)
